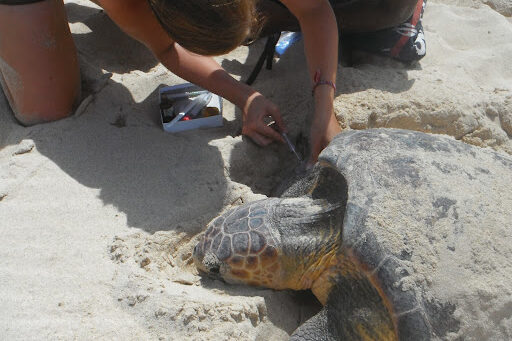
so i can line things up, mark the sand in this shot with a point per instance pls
(99, 212)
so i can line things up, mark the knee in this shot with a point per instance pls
(398, 11)
(30, 109)
(40, 116)
(37, 113)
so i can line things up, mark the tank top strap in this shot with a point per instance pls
(278, 2)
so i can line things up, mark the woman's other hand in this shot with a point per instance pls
(324, 126)
(323, 130)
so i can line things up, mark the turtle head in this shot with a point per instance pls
(240, 247)
(208, 262)
(270, 243)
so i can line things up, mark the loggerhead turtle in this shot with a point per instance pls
(399, 234)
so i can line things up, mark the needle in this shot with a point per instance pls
(291, 146)
(273, 125)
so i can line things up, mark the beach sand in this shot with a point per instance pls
(99, 212)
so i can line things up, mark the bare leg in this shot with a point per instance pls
(353, 16)
(371, 15)
(39, 69)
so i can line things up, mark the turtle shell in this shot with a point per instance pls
(429, 219)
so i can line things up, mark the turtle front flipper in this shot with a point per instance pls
(354, 309)
(354, 312)
(348, 319)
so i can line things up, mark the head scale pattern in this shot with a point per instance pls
(240, 247)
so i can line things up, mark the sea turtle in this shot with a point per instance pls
(399, 234)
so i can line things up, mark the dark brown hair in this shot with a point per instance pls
(208, 27)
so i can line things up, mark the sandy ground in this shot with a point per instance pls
(99, 212)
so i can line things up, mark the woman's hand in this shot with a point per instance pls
(320, 30)
(322, 133)
(324, 126)
(255, 110)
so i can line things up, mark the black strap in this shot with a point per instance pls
(18, 2)
(279, 3)
(267, 54)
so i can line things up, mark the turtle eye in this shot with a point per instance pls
(215, 269)
(198, 251)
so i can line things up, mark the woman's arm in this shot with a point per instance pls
(320, 31)
(136, 18)
(207, 73)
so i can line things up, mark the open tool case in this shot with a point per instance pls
(174, 98)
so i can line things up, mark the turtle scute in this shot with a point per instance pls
(238, 247)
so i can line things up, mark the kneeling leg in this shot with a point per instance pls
(38, 63)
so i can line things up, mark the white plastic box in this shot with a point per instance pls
(195, 123)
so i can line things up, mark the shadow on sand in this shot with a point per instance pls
(160, 181)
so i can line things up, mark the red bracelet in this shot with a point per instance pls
(319, 81)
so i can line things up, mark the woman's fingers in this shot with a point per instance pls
(276, 115)
(271, 133)
(260, 139)
(262, 133)
(254, 124)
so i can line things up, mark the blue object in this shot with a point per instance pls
(286, 40)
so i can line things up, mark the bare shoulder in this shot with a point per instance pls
(122, 8)
(118, 3)
(301, 6)
(136, 18)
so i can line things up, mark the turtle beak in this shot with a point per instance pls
(198, 256)
(207, 263)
